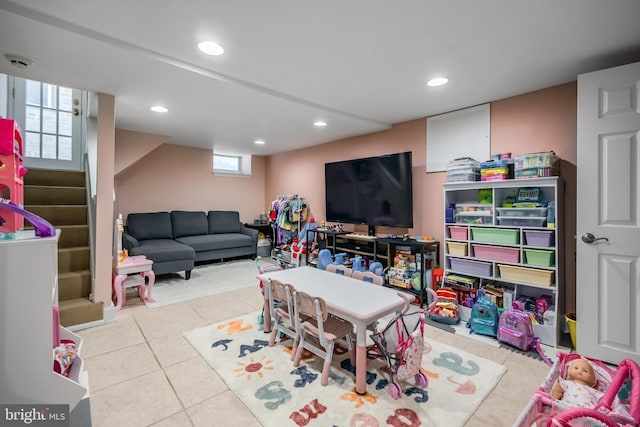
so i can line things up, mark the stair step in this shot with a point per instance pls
(54, 178)
(75, 284)
(73, 236)
(47, 195)
(60, 214)
(73, 259)
(78, 311)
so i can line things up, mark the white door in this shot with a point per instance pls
(608, 214)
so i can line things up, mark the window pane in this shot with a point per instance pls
(65, 99)
(48, 146)
(64, 123)
(226, 163)
(32, 145)
(64, 148)
(33, 93)
(49, 93)
(32, 119)
(49, 121)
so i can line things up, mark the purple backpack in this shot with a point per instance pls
(515, 329)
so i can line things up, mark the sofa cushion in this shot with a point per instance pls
(161, 250)
(224, 222)
(186, 223)
(213, 242)
(152, 225)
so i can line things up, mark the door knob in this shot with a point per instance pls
(590, 238)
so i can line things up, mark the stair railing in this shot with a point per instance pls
(91, 215)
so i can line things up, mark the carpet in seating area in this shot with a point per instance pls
(206, 280)
(280, 394)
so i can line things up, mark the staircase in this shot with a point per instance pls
(60, 198)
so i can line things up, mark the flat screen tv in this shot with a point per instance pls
(372, 191)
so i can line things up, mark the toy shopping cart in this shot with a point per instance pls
(401, 344)
(619, 405)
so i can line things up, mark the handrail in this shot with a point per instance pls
(91, 214)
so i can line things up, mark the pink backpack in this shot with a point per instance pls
(515, 329)
(410, 351)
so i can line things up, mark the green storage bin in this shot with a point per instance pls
(539, 257)
(495, 235)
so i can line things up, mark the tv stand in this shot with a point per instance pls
(354, 244)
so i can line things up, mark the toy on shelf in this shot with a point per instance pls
(119, 254)
(42, 227)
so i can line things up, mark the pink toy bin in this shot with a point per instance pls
(496, 253)
(458, 232)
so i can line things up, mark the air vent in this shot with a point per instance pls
(19, 61)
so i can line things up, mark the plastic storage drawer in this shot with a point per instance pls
(457, 232)
(457, 248)
(526, 275)
(496, 253)
(541, 238)
(495, 235)
(539, 257)
(521, 221)
(520, 212)
(471, 267)
(474, 218)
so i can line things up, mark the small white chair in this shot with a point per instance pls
(281, 306)
(325, 327)
(368, 276)
(339, 269)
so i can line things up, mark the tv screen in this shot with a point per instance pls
(372, 191)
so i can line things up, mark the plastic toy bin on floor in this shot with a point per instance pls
(539, 257)
(457, 248)
(495, 235)
(473, 268)
(457, 232)
(496, 253)
(541, 238)
(526, 275)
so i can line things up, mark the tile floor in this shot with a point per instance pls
(142, 372)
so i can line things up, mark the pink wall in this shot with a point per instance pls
(538, 121)
(173, 177)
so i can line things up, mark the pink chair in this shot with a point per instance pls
(281, 307)
(368, 276)
(339, 269)
(325, 327)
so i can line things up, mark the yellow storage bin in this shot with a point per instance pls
(457, 248)
(526, 275)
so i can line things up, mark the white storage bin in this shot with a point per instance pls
(538, 212)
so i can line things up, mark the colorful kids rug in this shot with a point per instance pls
(280, 394)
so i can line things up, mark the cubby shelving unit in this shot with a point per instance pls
(475, 247)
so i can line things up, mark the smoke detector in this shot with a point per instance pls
(19, 61)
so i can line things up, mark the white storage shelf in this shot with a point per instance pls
(28, 290)
(510, 248)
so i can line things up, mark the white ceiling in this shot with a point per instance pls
(360, 65)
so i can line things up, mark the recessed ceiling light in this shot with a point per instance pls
(259, 141)
(438, 81)
(211, 48)
(320, 123)
(159, 109)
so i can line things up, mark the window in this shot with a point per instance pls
(226, 164)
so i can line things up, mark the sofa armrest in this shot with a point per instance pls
(253, 233)
(128, 241)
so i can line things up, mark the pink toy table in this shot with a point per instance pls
(131, 273)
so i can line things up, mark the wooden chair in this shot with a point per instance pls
(339, 269)
(368, 276)
(281, 306)
(325, 327)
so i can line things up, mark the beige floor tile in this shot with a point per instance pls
(194, 381)
(221, 308)
(138, 402)
(181, 419)
(227, 411)
(110, 337)
(493, 353)
(121, 365)
(169, 320)
(172, 349)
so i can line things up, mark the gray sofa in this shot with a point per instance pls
(176, 240)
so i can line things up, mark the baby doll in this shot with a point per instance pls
(578, 389)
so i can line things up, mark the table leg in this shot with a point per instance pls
(152, 279)
(119, 290)
(361, 359)
(266, 315)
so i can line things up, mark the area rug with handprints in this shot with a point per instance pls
(280, 394)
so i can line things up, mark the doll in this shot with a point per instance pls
(579, 387)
